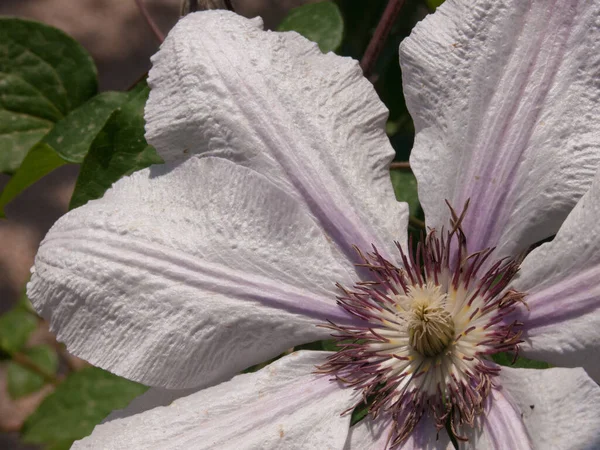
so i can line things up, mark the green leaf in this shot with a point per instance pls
(23, 381)
(405, 188)
(78, 404)
(119, 149)
(68, 142)
(359, 413)
(320, 22)
(44, 74)
(433, 4)
(72, 136)
(506, 359)
(329, 345)
(15, 327)
(66, 445)
(40, 161)
(19, 128)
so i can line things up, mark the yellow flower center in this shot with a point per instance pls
(430, 329)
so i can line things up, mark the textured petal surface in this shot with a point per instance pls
(182, 277)
(272, 101)
(283, 406)
(506, 103)
(562, 280)
(368, 433)
(373, 435)
(152, 398)
(499, 427)
(559, 406)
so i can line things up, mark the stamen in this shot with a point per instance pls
(429, 332)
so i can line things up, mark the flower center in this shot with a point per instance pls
(429, 330)
(430, 327)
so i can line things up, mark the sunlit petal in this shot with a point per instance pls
(272, 101)
(499, 427)
(505, 99)
(283, 406)
(374, 435)
(559, 406)
(562, 279)
(181, 278)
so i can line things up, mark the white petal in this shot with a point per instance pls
(283, 406)
(559, 406)
(150, 399)
(562, 280)
(368, 433)
(373, 435)
(272, 101)
(183, 277)
(504, 95)
(499, 427)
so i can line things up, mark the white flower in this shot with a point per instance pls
(277, 186)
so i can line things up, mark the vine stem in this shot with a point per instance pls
(405, 165)
(144, 11)
(25, 361)
(367, 63)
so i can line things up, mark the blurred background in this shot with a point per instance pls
(121, 43)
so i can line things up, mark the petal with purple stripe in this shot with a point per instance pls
(181, 277)
(504, 95)
(499, 426)
(562, 282)
(308, 121)
(374, 435)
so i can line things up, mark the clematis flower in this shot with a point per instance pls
(274, 224)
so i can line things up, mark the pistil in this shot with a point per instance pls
(431, 329)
